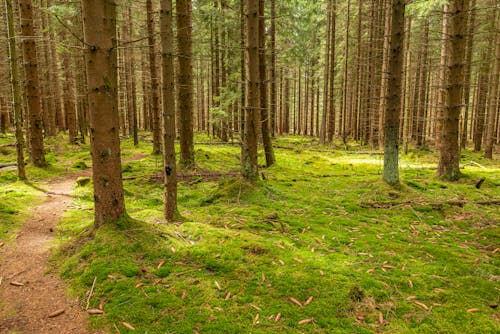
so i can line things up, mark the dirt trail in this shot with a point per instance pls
(26, 308)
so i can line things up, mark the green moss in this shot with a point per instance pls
(311, 229)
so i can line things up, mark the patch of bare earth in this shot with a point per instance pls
(30, 295)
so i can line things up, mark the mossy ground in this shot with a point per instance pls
(322, 225)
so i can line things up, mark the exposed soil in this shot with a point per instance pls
(26, 308)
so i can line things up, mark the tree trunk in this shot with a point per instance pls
(392, 112)
(32, 83)
(69, 97)
(331, 88)
(468, 64)
(442, 79)
(422, 83)
(273, 68)
(169, 163)
(16, 91)
(264, 111)
(326, 73)
(185, 82)
(249, 160)
(385, 65)
(494, 102)
(99, 20)
(449, 150)
(155, 102)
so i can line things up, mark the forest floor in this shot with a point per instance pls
(33, 299)
(321, 245)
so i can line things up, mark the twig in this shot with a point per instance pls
(90, 294)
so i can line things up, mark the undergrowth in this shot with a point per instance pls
(322, 225)
(321, 245)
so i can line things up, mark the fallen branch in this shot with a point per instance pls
(90, 294)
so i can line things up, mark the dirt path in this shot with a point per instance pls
(26, 308)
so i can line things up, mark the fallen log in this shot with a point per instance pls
(10, 164)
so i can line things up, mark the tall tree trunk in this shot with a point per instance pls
(155, 102)
(16, 91)
(69, 97)
(99, 20)
(264, 111)
(249, 160)
(169, 163)
(449, 150)
(243, 75)
(331, 88)
(441, 105)
(32, 83)
(185, 82)
(273, 68)
(326, 73)
(385, 65)
(420, 120)
(468, 64)
(494, 102)
(481, 102)
(392, 112)
(346, 104)
(128, 34)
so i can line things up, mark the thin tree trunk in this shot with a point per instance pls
(264, 111)
(69, 97)
(249, 160)
(331, 88)
(420, 120)
(468, 72)
(392, 112)
(32, 84)
(273, 68)
(155, 103)
(385, 65)
(494, 102)
(169, 162)
(185, 82)
(16, 91)
(326, 73)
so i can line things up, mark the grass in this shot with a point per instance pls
(322, 225)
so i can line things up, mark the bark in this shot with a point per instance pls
(468, 64)
(16, 91)
(420, 120)
(449, 150)
(243, 70)
(99, 20)
(155, 102)
(128, 34)
(481, 101)
(169, 162)
(442, 78)
(326, 73)
(264, 111)
(69, 97)
(249, 160)
(331, 88)
(392, 112)
(273, 68)
(185, 82)
(494, 102)
(345, 103)
(32, 84)
(385, 64)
